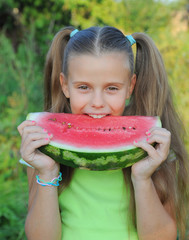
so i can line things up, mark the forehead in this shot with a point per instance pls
(111, 64)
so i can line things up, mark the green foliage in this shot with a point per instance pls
(20, 92)
(21, 75)
(85, 14)
(145, 16)
(13, 209)
(20, 86)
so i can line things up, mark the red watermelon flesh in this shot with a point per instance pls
(82, 131)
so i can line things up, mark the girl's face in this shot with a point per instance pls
(98, 86)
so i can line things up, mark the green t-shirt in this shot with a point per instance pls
(94, 207)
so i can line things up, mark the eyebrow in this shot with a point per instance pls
(79, 81)
(107, 83)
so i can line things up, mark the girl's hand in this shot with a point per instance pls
(144, 169)
(34, 137)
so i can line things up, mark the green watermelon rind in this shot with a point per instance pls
(94, 161)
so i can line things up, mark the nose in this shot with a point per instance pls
(97, 100)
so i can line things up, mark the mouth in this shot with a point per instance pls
(97, 115)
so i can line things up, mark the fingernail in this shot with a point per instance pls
(45, 130)
(147, 139)
(50, 134)
(46, 139)
(33, 122)
(135, 141)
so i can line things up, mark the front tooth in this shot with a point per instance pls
(97, 116)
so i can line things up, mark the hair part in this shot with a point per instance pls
(97, 41)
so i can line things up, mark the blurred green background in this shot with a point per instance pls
(26, 30)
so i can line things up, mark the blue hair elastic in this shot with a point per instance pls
(131, 39)
(74, 32)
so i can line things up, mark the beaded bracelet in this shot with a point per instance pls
(53, 182)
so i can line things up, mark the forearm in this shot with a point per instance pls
(43, 220)
(153, 221)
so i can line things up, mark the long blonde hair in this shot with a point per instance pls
(151, 96)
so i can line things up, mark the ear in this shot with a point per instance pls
(64, 85)
(132, 85)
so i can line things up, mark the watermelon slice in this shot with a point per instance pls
(94, 143)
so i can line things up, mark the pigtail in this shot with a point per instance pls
(152, 96)
(151, 88)
(54, 99)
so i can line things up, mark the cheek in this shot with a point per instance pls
(118, 105)
(77, 102)
(119, 99)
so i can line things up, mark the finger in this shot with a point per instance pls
(158, 130)
(163, 145)
(149, 149)
(161, 136)
(159, 139)
(33, 146)
(25, 124)
(34, 137)
(155, 159)
(30, 149)
(32, 129)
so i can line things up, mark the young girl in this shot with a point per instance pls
(93, 72)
